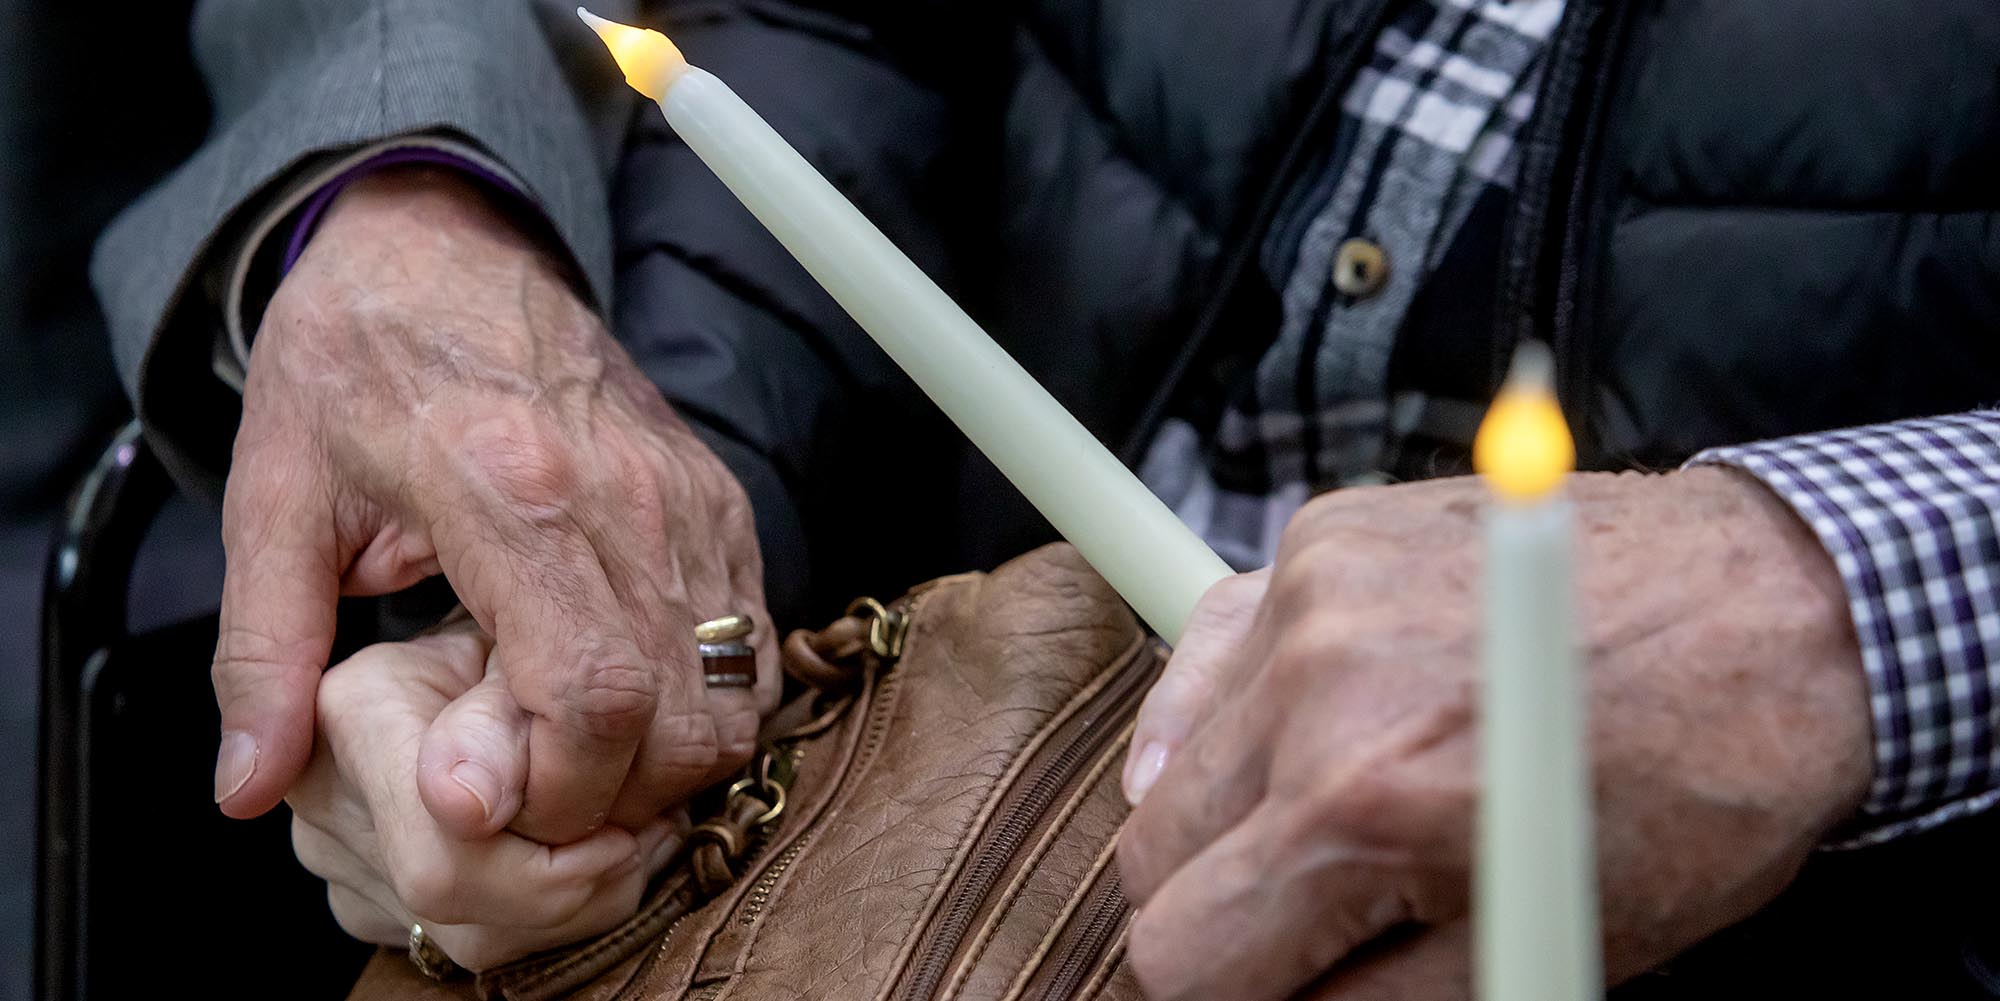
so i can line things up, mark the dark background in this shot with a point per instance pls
(96, 102)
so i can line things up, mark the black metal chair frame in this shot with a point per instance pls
(83, 611)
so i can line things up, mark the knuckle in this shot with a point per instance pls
(1299, 654)
(608, 696)
(1173, 703)
(635, 480)
(557, 906)
(244, 652)
(688, 742)
(344, 688)
(1324, 536)
(712, 476)
(1293, 583)
(1231, 592)
(524, 460)
(428, 886)
(1363, 806)
(737, 517)
(1186, 682)
(1299, 533)
(307, 847)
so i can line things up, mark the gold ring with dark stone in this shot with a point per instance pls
(726, 661)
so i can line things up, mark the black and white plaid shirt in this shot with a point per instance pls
(1431, 123)
(1909, 511)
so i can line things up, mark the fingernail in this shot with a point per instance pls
(1146, 769)
(235, 762)
(479, 782)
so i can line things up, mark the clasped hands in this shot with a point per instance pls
(427, 394)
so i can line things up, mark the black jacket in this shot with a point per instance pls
(1734, 220)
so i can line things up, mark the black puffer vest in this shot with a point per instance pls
(1766, 218)
(1741, 220)
(1735, 219)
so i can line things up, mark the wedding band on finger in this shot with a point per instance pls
(726, 660)
(427, 957)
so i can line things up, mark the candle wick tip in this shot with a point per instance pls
(1533, 367)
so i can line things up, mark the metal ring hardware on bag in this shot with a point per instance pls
(776, 798)
(886, 626)
(764, 784)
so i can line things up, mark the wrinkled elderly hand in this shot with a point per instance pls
(427, 394)
(1321, 791)
(359, 824)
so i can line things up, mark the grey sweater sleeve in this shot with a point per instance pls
(292, 81)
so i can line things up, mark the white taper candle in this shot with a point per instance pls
(1127, 534)
(1536, 872)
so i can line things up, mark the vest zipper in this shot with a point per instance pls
(1576, 365)
(1312, 130)
(1562, 146)
(1101, 720)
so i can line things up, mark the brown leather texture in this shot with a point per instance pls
(946, 828)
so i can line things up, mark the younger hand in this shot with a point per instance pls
(360, 824)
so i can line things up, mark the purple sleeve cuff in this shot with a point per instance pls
(315, 207)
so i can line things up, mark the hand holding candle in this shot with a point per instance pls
(1329, 787)
(1154, 561)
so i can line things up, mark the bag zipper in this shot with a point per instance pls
(760, 894)
(1107, 913)
(1097, 725)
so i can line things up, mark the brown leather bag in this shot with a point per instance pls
(934, 818)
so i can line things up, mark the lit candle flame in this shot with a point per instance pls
(650, 60)
(1524, 448)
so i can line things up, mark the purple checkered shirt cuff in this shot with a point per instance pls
(1910, 512)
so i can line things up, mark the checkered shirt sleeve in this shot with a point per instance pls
(1910, 512)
